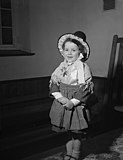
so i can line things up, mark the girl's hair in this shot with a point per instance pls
(80, 46)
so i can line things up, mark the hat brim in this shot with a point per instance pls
(64, 37)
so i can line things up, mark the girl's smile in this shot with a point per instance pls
(71, 52)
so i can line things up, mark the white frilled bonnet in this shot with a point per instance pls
(78, 36)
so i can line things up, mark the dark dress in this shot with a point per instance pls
(63, 119)
(74, 120)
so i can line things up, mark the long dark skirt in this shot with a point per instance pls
(67, 120)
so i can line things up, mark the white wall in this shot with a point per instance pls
(20, 66)
(100, 27)
(48, 19)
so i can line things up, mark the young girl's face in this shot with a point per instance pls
(71, 52)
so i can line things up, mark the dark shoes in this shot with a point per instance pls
(69, 157)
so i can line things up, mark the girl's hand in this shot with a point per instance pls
(63, 100)
(69, 105)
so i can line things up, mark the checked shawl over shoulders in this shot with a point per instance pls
(73, 74)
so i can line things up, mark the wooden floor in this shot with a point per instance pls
(97, 145)
(41, 139)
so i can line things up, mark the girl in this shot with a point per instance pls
(71, 85)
